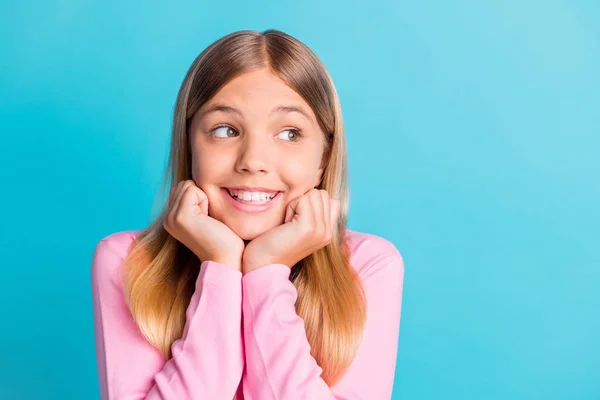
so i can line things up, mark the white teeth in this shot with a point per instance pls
(255, 197)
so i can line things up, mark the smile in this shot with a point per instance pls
(251, 201)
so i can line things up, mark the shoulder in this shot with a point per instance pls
(108, 257)
(369, 252)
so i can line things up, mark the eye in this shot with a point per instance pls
(297, 134)
(227, 130)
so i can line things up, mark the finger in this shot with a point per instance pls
(305, 212)
(199, 199)
(181, 194)
(326, 211)
(319, 223)
(178, 194)
(195, 200)
(291, 210)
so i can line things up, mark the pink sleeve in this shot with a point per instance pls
(279, 363)
(207, 360)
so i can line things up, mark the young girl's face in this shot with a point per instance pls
(247, 141)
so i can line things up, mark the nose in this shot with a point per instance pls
(254, 154)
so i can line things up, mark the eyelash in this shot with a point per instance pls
(297, 131)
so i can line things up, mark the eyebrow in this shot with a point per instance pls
(279, 109)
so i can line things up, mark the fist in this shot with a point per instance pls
(187, 220)
(309, 225)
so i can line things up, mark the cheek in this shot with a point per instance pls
(207, 166)
(210, 169)
(299, 173)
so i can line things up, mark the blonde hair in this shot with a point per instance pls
(160, 272)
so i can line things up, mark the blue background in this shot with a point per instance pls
(473, 139)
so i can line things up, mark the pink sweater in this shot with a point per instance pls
(263, 356)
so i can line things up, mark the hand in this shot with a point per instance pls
(309, 224)
(187, 220)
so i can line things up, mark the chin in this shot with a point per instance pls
(246, 232)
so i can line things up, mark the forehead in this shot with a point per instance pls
(259, 92)
(258, 84)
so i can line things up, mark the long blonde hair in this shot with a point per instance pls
(160, 272)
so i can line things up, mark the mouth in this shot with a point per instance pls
(252, 201)
(252, 197)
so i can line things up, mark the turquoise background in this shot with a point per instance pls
(473, 139)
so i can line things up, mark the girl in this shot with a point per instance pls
(249, 283)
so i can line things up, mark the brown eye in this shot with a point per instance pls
(296, 135)
(227, 130)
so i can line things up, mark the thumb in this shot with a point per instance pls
(291, 210)
(199, 199)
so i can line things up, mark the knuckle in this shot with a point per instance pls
(178, 219)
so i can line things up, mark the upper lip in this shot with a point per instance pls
(253, 189)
